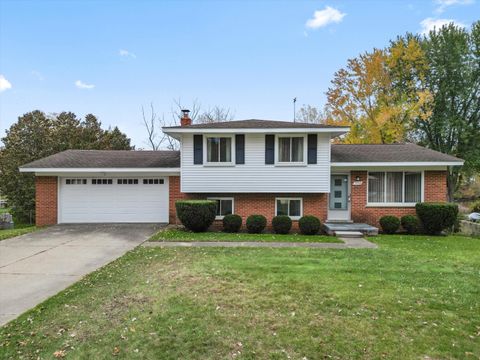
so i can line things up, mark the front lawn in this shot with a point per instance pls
(412, 298)
(16, 231)
(184, 235)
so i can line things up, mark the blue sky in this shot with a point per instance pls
(111, 57)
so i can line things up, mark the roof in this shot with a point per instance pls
(257, 124)
(340, 154)
(375, 153)
(108, 159)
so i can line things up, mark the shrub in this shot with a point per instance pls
(256, 224)
(196, 215)
(281, 224)
(232, 223)
(390, 224)
(410, 223)
(309, 225)
(436, 217)
(475, 207)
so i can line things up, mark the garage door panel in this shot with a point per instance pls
(113, 202)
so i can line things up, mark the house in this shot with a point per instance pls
(248, 167)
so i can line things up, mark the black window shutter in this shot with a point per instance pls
(197, 149)
(269, 149)
(240, 149)
(312, 149)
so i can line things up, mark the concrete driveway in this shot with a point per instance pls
(35, 266)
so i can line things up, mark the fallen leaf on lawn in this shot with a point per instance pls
(116, 351)
(59, 354)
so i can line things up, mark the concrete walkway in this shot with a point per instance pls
(35, 266)
(348, 243)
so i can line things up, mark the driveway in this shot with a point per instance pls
(35, 266)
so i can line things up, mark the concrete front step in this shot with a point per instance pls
(332, 228)
(349, 234)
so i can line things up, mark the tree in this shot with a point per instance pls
(364, 96)
(36, 135)
(153, 123)
(310, 114)
(453, 77)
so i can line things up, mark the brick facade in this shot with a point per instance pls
(248, 204)
(435, 185)
(45, 200)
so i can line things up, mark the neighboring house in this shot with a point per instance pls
(248, 167)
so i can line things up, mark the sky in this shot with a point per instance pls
(110, 58)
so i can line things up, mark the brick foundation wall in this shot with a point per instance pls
(248, 204)
(435, 185)
(45, 200)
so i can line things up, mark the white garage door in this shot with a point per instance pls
(106, 200)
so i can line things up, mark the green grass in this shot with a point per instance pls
(413, 298)
(183, 235)
(18, 230)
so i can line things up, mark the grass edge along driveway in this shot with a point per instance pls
(414, 297)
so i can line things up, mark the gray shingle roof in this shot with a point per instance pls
(171, 159)
(108, 159)
(256, 124)
(387, 153)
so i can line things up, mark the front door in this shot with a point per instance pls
(339, 204)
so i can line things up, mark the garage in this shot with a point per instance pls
(113, 199)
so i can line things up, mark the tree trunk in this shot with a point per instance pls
(452, 180)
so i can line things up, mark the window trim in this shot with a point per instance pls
(290, 163)
(232, 150)
(220, 217)
(289, 199)
(397, 204)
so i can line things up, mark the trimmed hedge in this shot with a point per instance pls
(256, 224)
(309, 225)
(390, 224)
(232, 223)
(436, 217)
(196, 215)
(281, 224)
(410, 223)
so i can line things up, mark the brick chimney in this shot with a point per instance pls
(185, 120)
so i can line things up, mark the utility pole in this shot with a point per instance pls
(294, 112)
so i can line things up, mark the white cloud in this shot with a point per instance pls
(324, 17)
(126, 53)
(429, 24)
(4, 83)
(444, 4)
(81, 85)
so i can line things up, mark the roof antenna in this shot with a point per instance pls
(294, 112)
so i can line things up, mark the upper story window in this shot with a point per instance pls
(291, 149)
(394, 187)
(219, 149)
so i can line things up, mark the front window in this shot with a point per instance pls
(290, 149)
(289, 207)
(219, 149)
(224, 206)
(395, 187)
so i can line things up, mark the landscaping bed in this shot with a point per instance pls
(416, 297)
(184, 235)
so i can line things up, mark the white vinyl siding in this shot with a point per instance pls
(255, 176)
